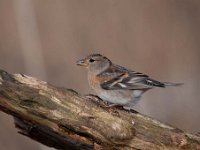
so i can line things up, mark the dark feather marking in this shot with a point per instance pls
(133, 81)
(152, 82)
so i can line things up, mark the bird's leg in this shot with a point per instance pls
(96, 99)
(107, 106)
(93, 97)
(101, 102)
(112, 106)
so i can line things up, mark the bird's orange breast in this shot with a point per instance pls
(95, 81)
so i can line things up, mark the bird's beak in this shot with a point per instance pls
(81, 62)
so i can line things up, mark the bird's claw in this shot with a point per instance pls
(103, 104)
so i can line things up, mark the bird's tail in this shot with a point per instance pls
(172, 84)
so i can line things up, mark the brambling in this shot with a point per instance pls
(115, 84)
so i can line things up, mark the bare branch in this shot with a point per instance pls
(61, 118)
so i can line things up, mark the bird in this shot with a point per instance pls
(115, 84)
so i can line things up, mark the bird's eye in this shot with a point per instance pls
(91, 60)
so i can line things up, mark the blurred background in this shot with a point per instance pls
(161, 38)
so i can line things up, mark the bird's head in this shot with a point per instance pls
(95, 63)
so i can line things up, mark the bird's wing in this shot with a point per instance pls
(122, 78)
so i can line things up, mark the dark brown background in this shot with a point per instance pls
(44, 38)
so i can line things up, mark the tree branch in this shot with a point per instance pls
(61, 118)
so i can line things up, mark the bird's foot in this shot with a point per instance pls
(94, 98)
(101, 102)
(97, 100)
(112, 106)
(130, 109)
(108, 106)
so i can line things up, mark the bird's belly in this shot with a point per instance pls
(121, 97)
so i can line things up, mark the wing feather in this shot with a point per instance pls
(123, 78)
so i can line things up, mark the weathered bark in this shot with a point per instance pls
(61, 118)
